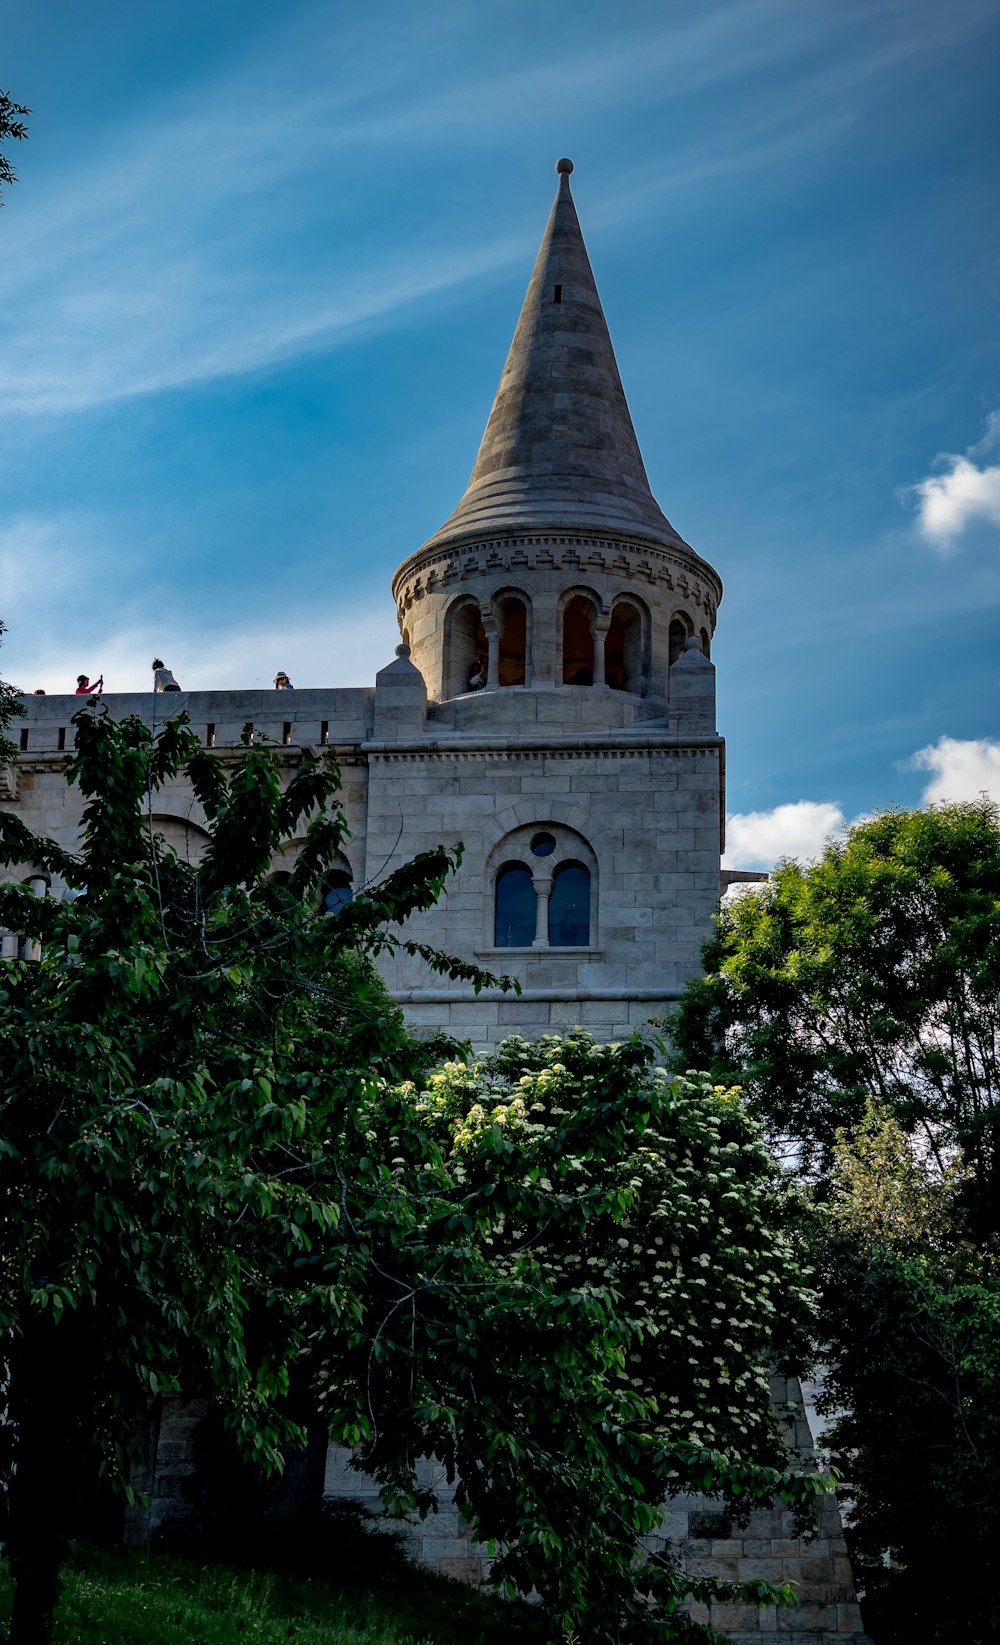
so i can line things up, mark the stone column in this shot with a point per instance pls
(543, 638)
(492, 632)
(543, 891)
(599, 629)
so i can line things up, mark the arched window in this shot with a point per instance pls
(514, 921)
(335, 892)
(544, 879)
(679, 631)
(187, 838)
(569, 907)
(512, 618)
(705, 641)
(578, 641)
(625, 648)
(464, 646)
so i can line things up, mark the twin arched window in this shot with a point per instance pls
(543, 893)
(605, 648)
(336, 887)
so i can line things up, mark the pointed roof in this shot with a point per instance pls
(559, 451)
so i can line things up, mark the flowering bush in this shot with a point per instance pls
(578, 1272)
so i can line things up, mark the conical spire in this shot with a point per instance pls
(559, 451)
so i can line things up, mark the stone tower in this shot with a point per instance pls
(562, 628)
(558, 566)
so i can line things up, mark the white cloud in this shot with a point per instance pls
(962, 769)
(967, 492)
(90, 611)
(801, 828)
(229, 226)
(341, 649)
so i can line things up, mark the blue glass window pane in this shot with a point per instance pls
(515, 908)
(336, 893)
(569, 908)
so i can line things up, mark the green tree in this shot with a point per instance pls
(10, 707)
(179, 1066)
(856, 1002)
(223, 1166)
(912, 1318)
(874, 971)
(11, 126)
(579, 1271)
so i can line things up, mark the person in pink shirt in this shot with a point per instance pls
(88, 688)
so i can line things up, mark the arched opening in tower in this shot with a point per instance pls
(578, 641)
(625, 649)
(465, 649)
(513, 642)
(679, 631)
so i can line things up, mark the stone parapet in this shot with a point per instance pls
(342, 716)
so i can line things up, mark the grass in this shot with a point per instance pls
(153, 1598)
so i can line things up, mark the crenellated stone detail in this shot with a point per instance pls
(435, 570)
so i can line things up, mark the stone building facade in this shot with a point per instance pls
(552, 707)
(584, 774)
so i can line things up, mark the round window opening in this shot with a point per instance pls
(543, 845)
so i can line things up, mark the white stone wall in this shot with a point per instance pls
(291, 721)
(649, 814)
(701, 1531)
(637, 786)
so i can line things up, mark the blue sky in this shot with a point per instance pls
(262, 266)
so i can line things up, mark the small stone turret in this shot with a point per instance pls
(692, 690)
(400, 699)
(558, 567)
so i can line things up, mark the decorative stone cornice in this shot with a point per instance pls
(435, 570)
(559, 749)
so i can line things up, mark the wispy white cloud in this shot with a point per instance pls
(343, 649)
(75, 604)
(961, 769)
(799, 828)
(966, 493)
(177, 255)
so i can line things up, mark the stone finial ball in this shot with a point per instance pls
(402, 651)
(564, 166)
